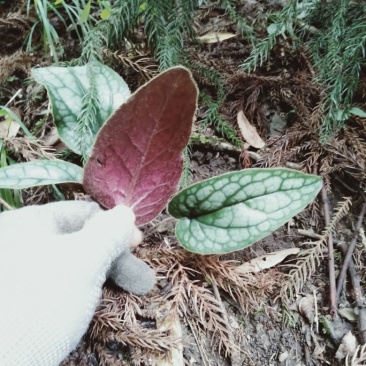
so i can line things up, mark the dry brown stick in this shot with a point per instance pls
(202, 350)
(308, 361)
(351, 248)
(315, 236)
(360, 300)
(331, 271)
(235, 352)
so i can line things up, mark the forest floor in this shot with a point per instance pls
(202, 310)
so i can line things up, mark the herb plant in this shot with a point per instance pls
(135, 158)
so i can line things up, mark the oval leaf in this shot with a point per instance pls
(39, 172)
(67, 87)
(137, 156)
(214, 37)
(234, 210)
(249, 132)
(358, 112)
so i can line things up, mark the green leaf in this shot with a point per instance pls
(105, 14)
(341, 115)
(358, 112)
(66, 88)
(234, 210)
(85, 13)
(39, 172)
(274, 28)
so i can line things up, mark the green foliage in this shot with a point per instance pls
(219, 215)
(245, 30)
(281, 26)
(334, 33)
(213, 116)
(167, 24)
(338, 52)
(78, 14)
(88, 121)
(234, 210)
(39, 172)
(82, 99)
(186, 178)
(11, 116)
(11, 197)
(44, 10)
(123, 18)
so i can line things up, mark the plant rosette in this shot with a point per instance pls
(133, 145)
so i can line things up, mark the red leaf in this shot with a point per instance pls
(137, 156)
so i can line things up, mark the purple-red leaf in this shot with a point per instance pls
(137, 156)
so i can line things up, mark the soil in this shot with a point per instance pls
(268, 97)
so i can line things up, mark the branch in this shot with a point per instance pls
(360, 300)
(332, 281)
(348, 257)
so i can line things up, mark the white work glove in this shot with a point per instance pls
(54, 260)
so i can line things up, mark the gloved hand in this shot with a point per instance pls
(54, 260)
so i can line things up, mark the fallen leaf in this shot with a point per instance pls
(249, 132)
(214, 37)
(347, 347)
(306, 308)
(265, 261)
(9, 127)
(349, 314)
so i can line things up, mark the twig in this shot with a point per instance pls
(315, 236)
(6, 204)
(216, 143)
(360, 300)
(308, 361)
(351, 248)
(316, 317)
(202, 351)
(332, 281)
(235, 353)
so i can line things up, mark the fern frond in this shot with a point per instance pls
(288, 317)
(195, 301)
(167, 24)
(338, 53)
(341, 210)
(86, 124)
(92, 47)
(245, 30)
(282, 26)
(214, 118)
(334, 33)
(309, 260)
(169, 48)
(125, 15)
(186, 178)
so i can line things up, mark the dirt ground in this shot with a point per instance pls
(201, 308)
